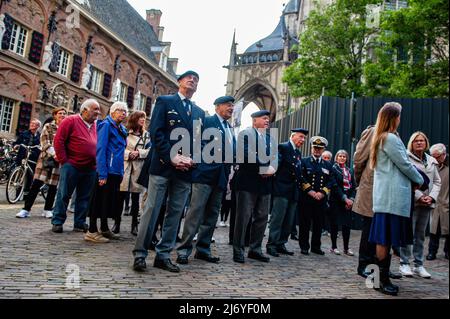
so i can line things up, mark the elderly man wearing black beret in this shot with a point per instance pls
(170, 169)
(286, 189)
(209, 181)
(257, 165)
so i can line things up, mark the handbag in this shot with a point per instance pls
(49, 163)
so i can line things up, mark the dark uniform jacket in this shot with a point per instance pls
(248, 177)
(317, 177)
(169, 114)
(215, 174)
(287, 180)
(338, 194)
(27, 138)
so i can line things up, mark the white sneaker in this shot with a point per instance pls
(222, 224)
(195, 238)
(213, 240)
(406, 270)
(47, 214)
(23, 214)
(421, 272)
(335, 251)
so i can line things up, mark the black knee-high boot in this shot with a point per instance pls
(386, 286)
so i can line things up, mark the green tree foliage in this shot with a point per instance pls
(340, 54)
(411, 53)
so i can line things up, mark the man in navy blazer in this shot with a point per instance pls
(170, 169)
(209, 181)
(286, 189)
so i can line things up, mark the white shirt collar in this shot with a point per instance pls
(182, 97)
(293, 145)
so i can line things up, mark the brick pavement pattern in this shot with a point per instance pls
(33, 264)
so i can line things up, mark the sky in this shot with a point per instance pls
(201, 33)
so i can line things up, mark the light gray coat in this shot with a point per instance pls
(392, 178)
(440, 213)
(431, 170)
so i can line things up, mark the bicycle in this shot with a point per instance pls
(19, 178)
(7, 160)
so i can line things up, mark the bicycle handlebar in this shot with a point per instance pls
(31, 147)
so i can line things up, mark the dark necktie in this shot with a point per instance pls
(187, 106)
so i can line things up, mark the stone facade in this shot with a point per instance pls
(92, 58)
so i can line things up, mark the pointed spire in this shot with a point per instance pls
(233, 52)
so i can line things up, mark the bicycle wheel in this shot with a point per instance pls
(14, 187)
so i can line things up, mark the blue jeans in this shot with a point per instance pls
(420, 218)
(178, 191)
(69, 179)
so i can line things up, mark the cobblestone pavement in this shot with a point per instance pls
(33, 264)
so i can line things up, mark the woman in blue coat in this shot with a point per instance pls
(111, 144)
(392, 189)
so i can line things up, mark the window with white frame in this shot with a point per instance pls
(18, 39)
(97, 79)
(6, 113)
(123, 92)
(63, 63)
(142, 103)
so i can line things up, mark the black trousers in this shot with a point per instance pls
(105, 203)
(367, 250)
(311, 212)
(233, 221)
(335, 218)
(34, 191)
(433, 246)
(134, 210)
(225, 210)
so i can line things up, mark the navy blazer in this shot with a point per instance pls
(338, 194)
(215, 174)
(287, 180)
(248, 176)
(169, 114)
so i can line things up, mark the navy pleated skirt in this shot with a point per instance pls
(391, 230)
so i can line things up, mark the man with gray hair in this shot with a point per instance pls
(439, 216)
(75, 146)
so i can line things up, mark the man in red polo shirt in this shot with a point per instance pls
(75, 148)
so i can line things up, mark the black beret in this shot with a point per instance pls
(224, 99)
(300, 130)
(185, 74)
(260, 114)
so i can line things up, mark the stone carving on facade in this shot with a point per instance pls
(47, 57)
(86, 77)
(33, 11)
(15, 84)
(102, 54)
(2, 27)
(116, 90)
(58, 96)
(44, 93)
(137, 101)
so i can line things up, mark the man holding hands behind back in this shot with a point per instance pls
(168, 171)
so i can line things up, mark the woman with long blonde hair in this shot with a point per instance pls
(392, 189)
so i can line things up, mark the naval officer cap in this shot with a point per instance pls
(260, 114)
(224, 99)
(300, 130)
(319, 141)
(187, 73)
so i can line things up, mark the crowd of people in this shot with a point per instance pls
(97, 163)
